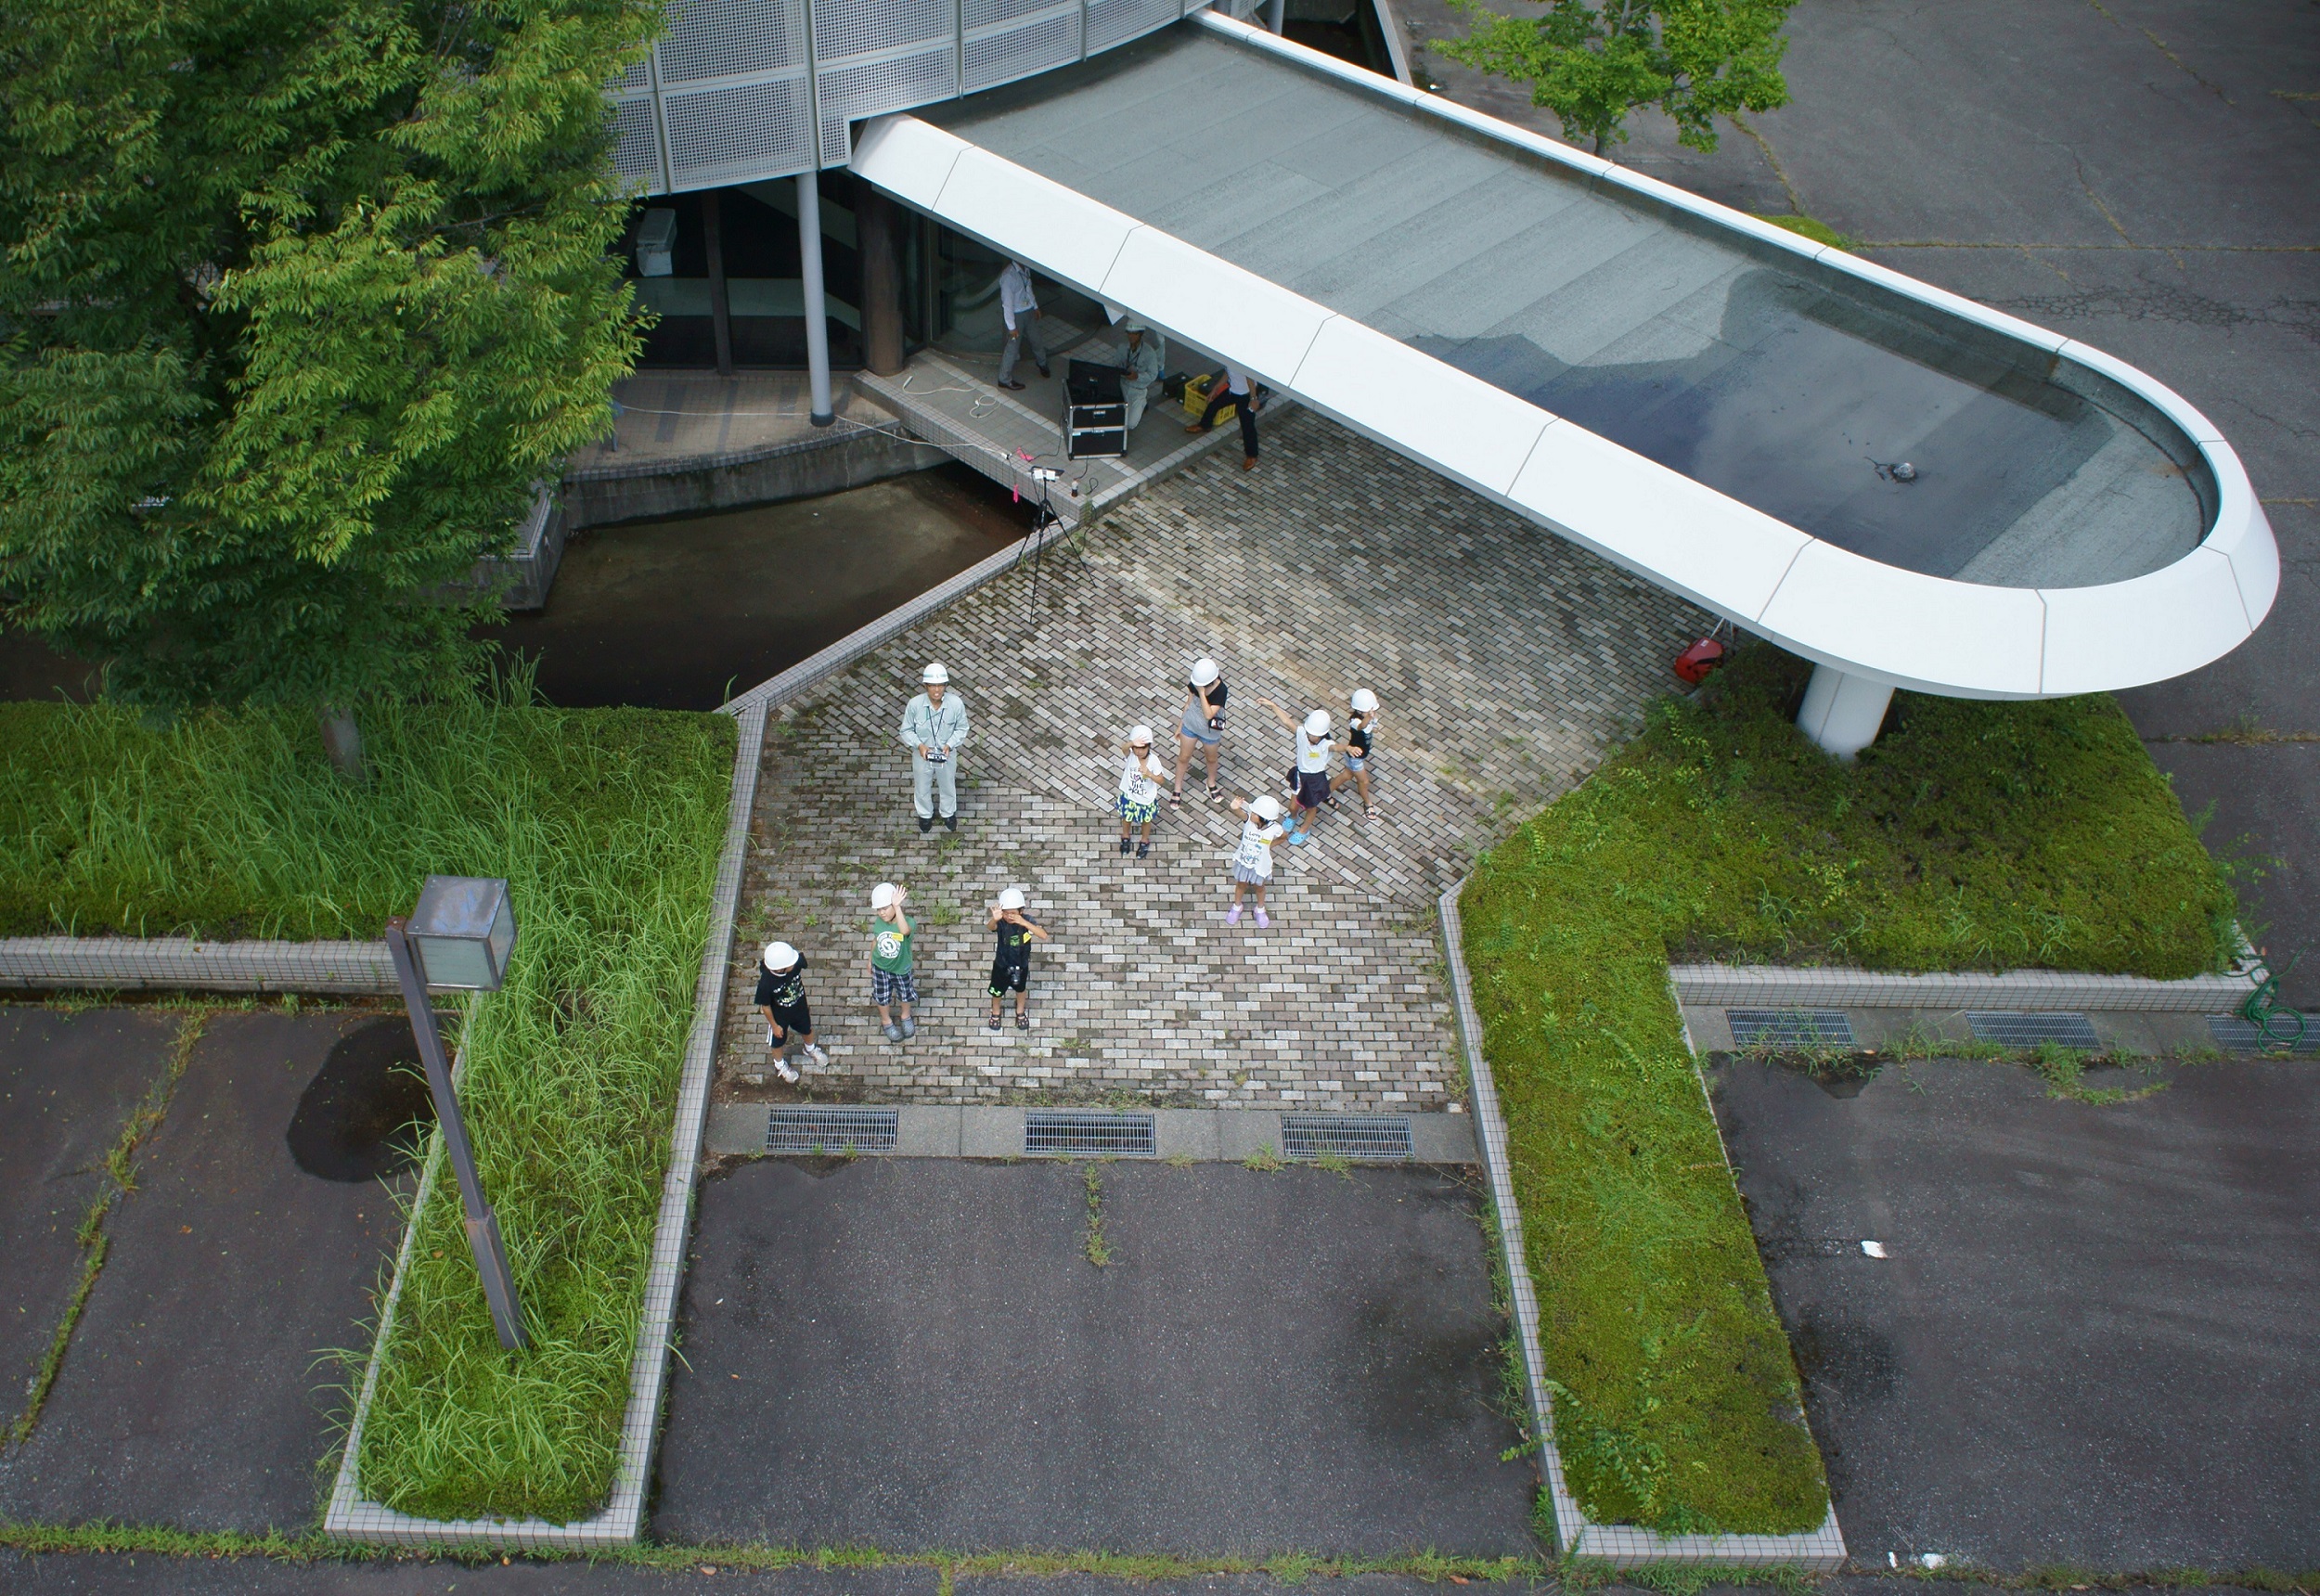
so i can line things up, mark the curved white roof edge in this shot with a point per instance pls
(1859, 615)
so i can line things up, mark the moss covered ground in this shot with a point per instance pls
(1970, 836)
(607, 824)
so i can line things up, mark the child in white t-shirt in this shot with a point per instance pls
(1139, 788)
(1253, 859)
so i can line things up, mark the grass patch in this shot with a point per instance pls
(607, 824)
(1970, 836)
(1810, 227)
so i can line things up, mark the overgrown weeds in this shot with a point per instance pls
(1970, 836)
(607, 824)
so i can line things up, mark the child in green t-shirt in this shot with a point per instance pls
(891, 985)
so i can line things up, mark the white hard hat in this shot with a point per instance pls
(1364, 700)
(1205, 671)
(1012, 898)
(779, 956)
(883, 893)
(934, 672)
(1266, 808)
(1132, 324)
(1136, 734)
(1316, 724)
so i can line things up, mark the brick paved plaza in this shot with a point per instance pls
(1508, 661)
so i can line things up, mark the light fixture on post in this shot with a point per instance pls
(459, 939)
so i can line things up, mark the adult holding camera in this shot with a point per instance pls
(1202, 726)
(933, 727)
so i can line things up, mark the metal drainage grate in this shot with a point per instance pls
(830, 1131)
(2029, 1030)
(2238, 1033)
(1378, 1137)
(1790, 1028)
(1109, 1135)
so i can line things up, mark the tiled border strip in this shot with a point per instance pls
(854, 645)
(1774, 986)
(351, 1516)
(1621, 1545)
(179, 963)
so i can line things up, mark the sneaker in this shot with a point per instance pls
(1023, 1022)
(1144, 850)
(950, 822)
(926, 823)
(994, 1022)
(909, 1028)
(1123, 845)
(893, 1031)
(813, 1051)
(781, 1067)
(1262, 920)
(1232, 914)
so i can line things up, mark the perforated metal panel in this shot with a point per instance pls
(846, 28)
(853, 94)
(731, 38)
(730, 135)
(1113, 23)
(636, 78)
(636, 143)
(2238, 1033)
(1021, 49)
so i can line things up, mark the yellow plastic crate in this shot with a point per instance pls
(1197, 398)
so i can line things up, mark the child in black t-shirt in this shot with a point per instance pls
(1011, 965)
(781, 999)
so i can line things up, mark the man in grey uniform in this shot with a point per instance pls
(933, 727)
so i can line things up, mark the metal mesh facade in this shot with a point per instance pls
(739, 91)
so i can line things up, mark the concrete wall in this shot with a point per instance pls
(847, 456)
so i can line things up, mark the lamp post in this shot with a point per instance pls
(459, 939)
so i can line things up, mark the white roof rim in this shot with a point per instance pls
(1859, 615)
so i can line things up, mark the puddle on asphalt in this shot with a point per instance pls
(363, 1115)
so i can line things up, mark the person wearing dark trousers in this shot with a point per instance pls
(1236, 389)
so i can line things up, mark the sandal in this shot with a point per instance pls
(1176, 800)
(1216, 793)
(1373, 811)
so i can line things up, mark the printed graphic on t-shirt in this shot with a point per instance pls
(1141, 784)
(890, 948)
(1255, 851)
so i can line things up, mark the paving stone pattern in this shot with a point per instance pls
(1508, 661)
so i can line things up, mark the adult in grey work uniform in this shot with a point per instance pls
(933, 727)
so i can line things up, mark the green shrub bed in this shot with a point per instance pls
(607, 824)
(1970, 836)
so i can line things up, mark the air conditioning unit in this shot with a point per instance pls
(656, 244)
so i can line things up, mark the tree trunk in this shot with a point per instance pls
(342, 740)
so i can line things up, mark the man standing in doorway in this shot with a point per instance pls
(1020, 309)
(1236, 389)
(933, 727)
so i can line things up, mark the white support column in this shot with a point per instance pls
(1841, 713)
(816, 307)
(1276, 14)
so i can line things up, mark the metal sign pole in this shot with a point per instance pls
(483, 1224)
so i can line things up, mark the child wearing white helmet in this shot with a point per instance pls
(891, 985)
(1139, 788)
(1253, 858)
(1309, 778)
(1011, 964)
(781, 999)
(1361, 738)
(1202, 726)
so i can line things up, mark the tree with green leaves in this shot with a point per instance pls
(299, 299)
(1593, 63)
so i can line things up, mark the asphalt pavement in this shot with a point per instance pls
(2142, 174)
(920, 1354)
(198, 1391)
(2091, 1337)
